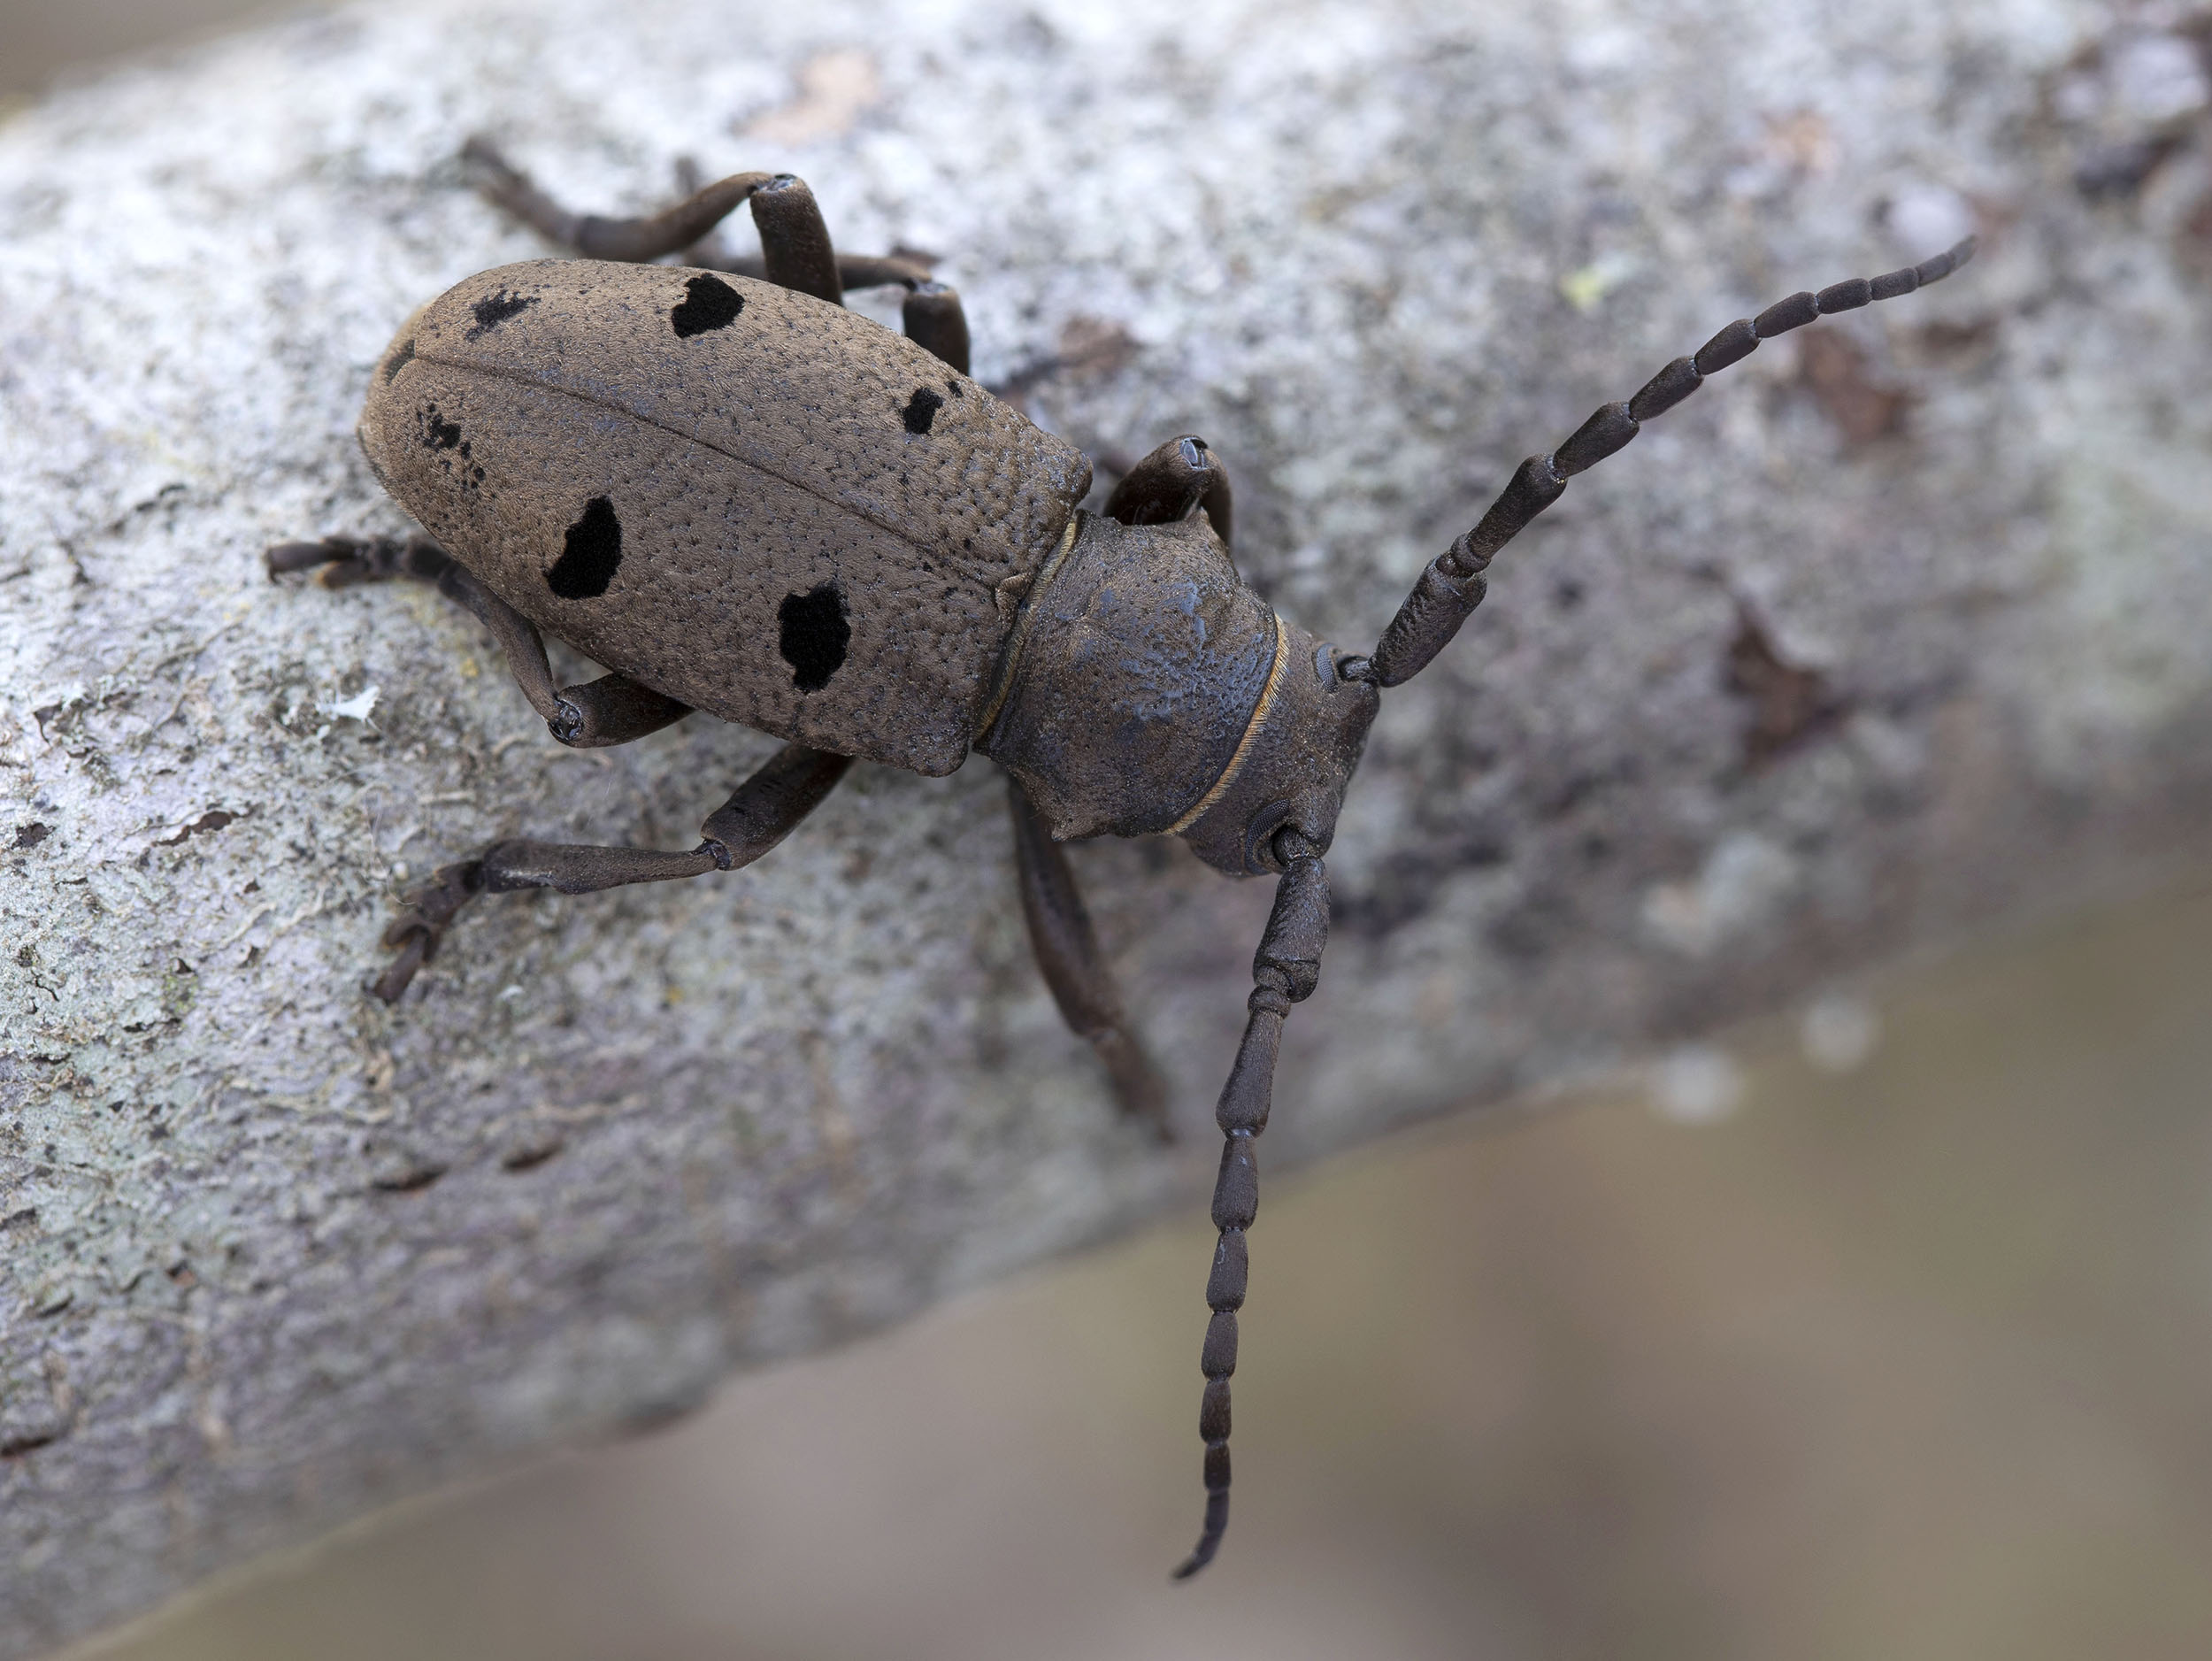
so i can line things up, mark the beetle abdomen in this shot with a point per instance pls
(767, 506)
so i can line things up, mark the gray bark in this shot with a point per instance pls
(274, 1253)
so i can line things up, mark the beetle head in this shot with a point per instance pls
(1298, 755)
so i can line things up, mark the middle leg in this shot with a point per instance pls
(933, 315)
(795, 247)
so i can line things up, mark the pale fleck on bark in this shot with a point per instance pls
(1857, 648)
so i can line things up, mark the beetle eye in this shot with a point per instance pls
(1259, 837)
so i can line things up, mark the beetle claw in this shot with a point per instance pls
(421, 942)
(417, 933)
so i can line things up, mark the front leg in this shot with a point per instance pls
(1164, 488)
(1074, 968)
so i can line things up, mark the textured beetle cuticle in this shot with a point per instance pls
(1252, 726)
(438, 433)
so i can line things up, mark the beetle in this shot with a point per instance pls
(744, 499)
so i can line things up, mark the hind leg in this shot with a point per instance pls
(761, 813)
(612, 709)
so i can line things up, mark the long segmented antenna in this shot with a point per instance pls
(1289, 962)
(1284, 970)
(1453, 585)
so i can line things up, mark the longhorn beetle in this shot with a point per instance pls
(742, 498)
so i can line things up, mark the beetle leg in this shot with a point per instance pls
(1284, 970)
(1067, 953)
(935, 321)
(635, 240)
(795, 248)
(794, 240)
(1166, 484)
(706, 253)
(933, 314)
(339, 561)
(760, 813)
(612, 709)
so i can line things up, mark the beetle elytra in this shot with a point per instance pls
(744, 499)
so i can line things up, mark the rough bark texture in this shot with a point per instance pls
(1899, 624)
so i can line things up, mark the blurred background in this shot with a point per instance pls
(1884, 1331)
(1881, 1329)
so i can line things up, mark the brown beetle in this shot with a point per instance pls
(744, 499)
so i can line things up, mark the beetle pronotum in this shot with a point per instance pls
(744, 499)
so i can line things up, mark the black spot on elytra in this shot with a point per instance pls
(494, 309)
(814, 634)
(437, 432)
(590, 554)
(922, 409)
(399, 360)
(709, 304)
(29, 836)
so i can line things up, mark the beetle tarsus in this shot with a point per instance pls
(420, 942)
(760, 813)
(419, 930)
(1139, 1090)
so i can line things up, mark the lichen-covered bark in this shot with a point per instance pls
(1898, 626)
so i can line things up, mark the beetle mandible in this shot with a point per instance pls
(742, 498)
